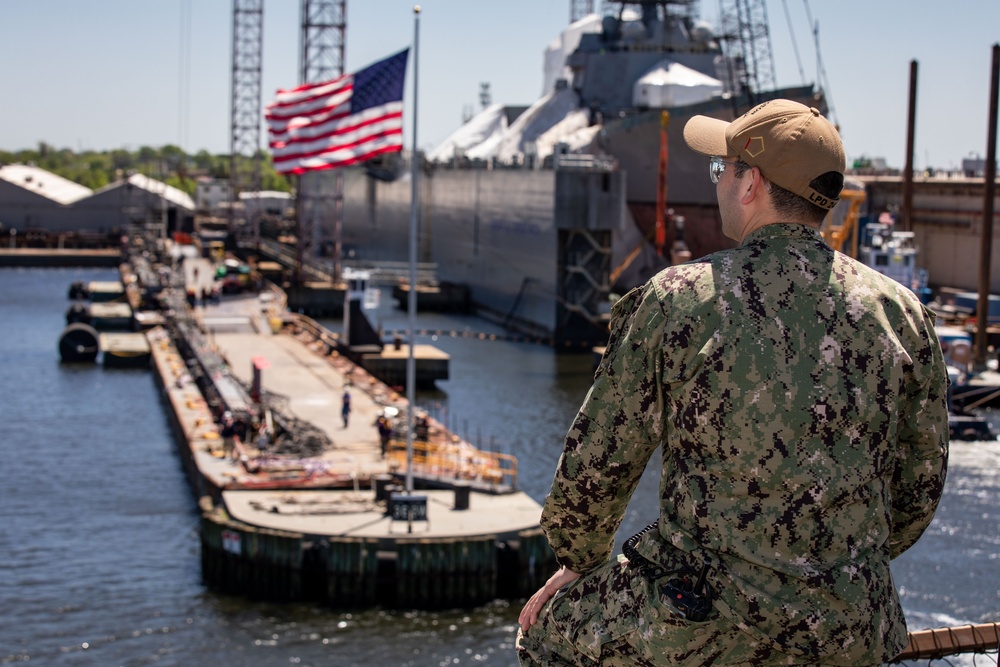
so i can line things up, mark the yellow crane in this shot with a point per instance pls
(837, 234)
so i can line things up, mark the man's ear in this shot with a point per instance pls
(754, 186)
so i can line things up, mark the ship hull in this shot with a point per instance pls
(494, 230)
(634, 140)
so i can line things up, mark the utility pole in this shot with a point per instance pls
(989, 190)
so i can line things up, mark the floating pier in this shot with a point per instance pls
(389, 365)
(102, 291)
(108, 316)
(125, 350)
(60, 257)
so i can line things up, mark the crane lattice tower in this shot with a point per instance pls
(245, 117)
(320, 202)
(746, 40)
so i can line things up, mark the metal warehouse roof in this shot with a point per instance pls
(159, 188)
(44, 183)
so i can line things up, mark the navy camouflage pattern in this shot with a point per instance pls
(801, 401)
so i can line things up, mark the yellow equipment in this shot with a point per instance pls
(835, 235)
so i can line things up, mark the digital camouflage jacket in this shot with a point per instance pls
(800, 399)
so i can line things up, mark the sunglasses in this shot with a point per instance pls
(716, 165)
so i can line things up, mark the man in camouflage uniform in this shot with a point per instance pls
(800, 400)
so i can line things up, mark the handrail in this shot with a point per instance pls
(460, 461)
(939, 642)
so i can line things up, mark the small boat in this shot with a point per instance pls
(967, 426)
(963, 395)
(893, 253)
(969, 389)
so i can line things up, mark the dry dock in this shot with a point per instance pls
(338, 526)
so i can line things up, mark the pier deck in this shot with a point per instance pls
(313, 384)
(356, 514)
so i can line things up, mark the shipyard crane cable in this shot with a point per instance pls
(184, 75)
(820, 69)
(795, 43)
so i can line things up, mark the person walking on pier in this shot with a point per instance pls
(228, 434)
(800, 401)
(345, 407)
(384, 433)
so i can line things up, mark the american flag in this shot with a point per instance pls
(340, 122)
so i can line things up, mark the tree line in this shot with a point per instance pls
(169, 164)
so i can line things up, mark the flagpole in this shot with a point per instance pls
(411, 366)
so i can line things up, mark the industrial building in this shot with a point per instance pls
(32, 198)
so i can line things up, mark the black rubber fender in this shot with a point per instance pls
(78, 312)
(79, 342)
(79, 290)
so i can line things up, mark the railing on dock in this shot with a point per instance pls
(935, 645)
(315, 329)
(456, 462)
(383, 273)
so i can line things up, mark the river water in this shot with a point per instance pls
(99, 552)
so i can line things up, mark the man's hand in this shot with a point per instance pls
(535, 603)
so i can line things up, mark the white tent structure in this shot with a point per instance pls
(553, 119)
(670, 84)
(522, 136)
(484, 128)
(554, 60)
(557, 117)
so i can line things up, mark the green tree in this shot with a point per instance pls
(168, 163)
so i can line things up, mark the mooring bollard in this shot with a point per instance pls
(462, 493)
(382, 483)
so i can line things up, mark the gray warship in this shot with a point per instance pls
(545, 213)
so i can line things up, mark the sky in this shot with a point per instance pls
(106, 74)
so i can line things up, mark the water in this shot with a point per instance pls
(100, 555)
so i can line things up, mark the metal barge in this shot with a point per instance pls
(335, 525)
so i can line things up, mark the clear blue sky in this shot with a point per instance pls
(105, 74)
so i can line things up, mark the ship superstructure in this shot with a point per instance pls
(545, 213)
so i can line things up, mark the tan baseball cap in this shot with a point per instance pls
(790, 143)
